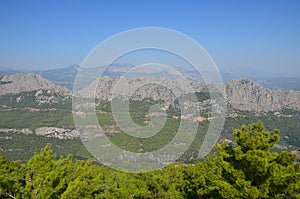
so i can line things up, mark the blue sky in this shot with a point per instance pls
(259, 36)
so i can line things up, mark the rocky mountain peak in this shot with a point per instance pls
(243, 94)
(22, 82)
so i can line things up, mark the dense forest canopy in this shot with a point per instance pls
(245, 168)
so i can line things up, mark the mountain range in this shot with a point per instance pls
(241, 94)
(36, 111)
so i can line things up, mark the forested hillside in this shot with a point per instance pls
(245, 168)
(30, 116)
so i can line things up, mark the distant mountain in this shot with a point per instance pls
(66, 76)
(279, 82)
(4, 71)
(61, 76)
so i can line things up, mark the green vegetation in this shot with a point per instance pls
(23, 111)
(152, 143)
(34, 119)
(199, 96)
(59, 115)
(246, 169)
(288, 123)
(139, 113)
(28, 100)
(18, 146)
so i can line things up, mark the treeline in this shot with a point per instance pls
(246, 168)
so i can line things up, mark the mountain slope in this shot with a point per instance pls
(61, 76)
(21, 82)
(242, 94)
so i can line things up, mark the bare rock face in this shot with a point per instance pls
(21, 82)
(244, 94)
(289, 99)
(140, 88)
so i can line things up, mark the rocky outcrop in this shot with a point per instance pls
(55, 132)
(21, 82)
(244, 94)
(241, 94)
(156, 88)
(46, 97)
(289, 99)
(23, 131)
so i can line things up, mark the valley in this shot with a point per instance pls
(27, 113)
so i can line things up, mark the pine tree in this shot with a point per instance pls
(251, 170)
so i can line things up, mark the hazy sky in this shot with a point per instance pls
(239, 35)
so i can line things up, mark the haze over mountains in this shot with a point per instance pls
(65, 76)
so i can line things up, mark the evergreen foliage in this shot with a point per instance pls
(246, 168)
